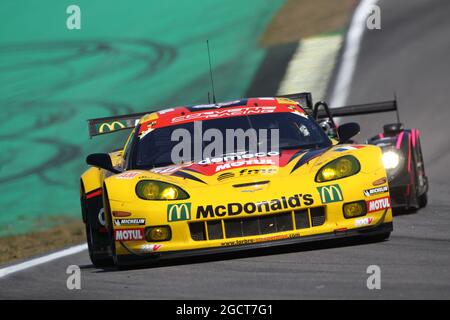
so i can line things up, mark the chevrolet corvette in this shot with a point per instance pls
(140, 206)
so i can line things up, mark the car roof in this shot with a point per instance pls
(186, 114)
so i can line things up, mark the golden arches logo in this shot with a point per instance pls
(116, 125)
(179, 212)
(332, 193)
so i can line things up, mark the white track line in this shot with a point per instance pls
(34, 262)
(312, 54)
(351, 51)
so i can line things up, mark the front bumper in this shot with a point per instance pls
(132, 259)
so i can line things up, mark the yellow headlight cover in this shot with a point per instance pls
(158, 190)
(169, 193)
(149, 190)
(338, 168)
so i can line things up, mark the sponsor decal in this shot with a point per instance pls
(363, 222)
(218, 113)
(237, 164)
(127, 175)
(170, 169)
(378, 204)
(235, 209)
(239, 159)
(262, 171)
(179, 212)
(264, 239)
(129, 222)
(112, 126)
(226, 175)
(239, 156)
(374, 191)
(129, 234)
(331, 193)
(150, 247)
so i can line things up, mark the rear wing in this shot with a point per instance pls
(359, 109)
(319, 110)
(315, 110)
(106, 125)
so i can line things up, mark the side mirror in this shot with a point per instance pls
(101, 160)
(347, 131)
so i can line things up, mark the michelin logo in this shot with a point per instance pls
(129, 222)
(374, 191)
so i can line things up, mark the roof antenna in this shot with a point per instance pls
(210, 74)
(396, 107)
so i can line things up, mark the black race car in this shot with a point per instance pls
(402, 153)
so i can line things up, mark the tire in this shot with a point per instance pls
(97, 242)
(114, 258)
(423, 200)
(98, 259)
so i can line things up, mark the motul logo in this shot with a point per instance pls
(129, 234)
(378, 204)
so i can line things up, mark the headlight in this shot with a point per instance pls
(157, 190)
(391, 159)
(339, 168)
(160, 233)
(354, 209)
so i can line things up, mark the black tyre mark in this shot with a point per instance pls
(34, 98)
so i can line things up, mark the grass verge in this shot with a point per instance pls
(18, 247)
(299, 19)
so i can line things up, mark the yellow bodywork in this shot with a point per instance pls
(278, 183)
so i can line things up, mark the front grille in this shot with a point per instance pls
(215, 230)
(197, 231)
(302, 219)
(317, 216)
(253, 226)
(235, 228)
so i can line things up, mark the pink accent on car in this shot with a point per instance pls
(409, 152)
(399, 140)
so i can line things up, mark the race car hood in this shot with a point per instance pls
(250, 171)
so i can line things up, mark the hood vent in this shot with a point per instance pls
(251, 184)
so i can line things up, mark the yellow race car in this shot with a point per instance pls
(139, 205)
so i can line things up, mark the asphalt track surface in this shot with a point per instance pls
(410, 56)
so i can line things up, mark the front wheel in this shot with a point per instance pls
(97, 239)
(96, 252)
(423, 200)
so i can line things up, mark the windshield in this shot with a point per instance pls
(294, 131)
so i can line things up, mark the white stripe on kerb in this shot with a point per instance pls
(350, 56)
(311, 66)
(35, 262)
